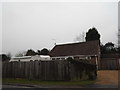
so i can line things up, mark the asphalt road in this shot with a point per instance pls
(88, 87)
(15, 86)
(36, 86)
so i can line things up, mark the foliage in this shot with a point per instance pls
(30, 52)
(109, 45)
(70, 59)
(118, 49)
(92, 34)
(102, 49)
(78, 61)
(4, 57)
(80, 37)
(44, 52)
(91, 70)
(109, 48)
(38, 52)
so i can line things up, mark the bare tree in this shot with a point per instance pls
(20, 54)
(9, 55)
(80, 37)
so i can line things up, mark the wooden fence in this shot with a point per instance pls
(109, 64)
(49, 70)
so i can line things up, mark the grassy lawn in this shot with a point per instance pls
(36, 82)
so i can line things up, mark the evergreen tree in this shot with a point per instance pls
(44, 52)
(30, 52)
(92, 34)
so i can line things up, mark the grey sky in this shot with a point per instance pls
(39, 25)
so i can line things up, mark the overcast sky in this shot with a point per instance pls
(39, 25)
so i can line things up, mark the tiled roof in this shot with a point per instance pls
(82, 48)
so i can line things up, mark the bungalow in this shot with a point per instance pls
(89, 50)
(29, 58)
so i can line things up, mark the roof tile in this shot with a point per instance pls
(82, 48)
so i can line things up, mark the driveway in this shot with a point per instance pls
(107, 77)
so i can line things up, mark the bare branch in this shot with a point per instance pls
(80, 37)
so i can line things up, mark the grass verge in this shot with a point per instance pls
(36, 82)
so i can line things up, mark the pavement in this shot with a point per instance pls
(14, 86)
(11, 85)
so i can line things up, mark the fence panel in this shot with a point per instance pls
(48, 70)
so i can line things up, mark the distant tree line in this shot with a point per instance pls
(109, 48)
(5, 57)
(31, 52)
